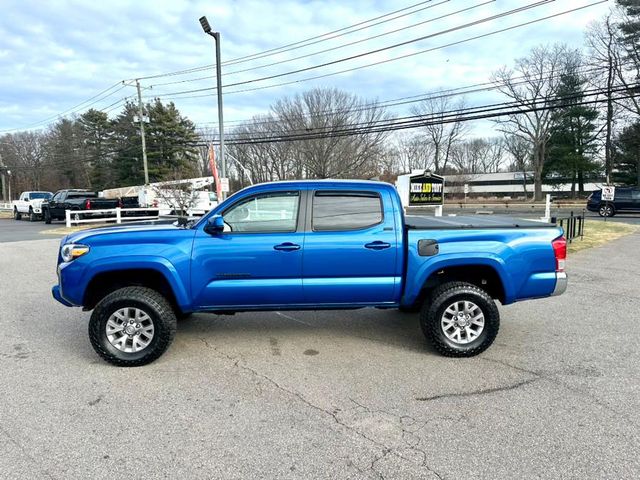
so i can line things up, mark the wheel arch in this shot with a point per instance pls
(486, 276)
(104, 282)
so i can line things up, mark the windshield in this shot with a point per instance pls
(34, 195)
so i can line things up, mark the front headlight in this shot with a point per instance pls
(72, 251)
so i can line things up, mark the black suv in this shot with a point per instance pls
(625, 199)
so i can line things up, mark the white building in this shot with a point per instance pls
(491, 186)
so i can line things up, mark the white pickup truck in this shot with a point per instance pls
(30, 204)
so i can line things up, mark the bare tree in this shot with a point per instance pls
(480, 155)
(319, 118)
(410, 152)
(330, 111)
(541, 73)
(25, 152)
(520, 151)
(441, 130)
(605, 58)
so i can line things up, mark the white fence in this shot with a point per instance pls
(76, 217)
(5, 206)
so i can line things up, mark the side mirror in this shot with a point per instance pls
(215, 225)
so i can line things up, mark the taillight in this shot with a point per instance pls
(560, 251)
(87, 204)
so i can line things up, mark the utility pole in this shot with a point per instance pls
(4, 187)
(144, 142)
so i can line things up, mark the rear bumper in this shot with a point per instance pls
(57, 294)
(561, 284)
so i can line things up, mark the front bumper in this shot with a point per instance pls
(57, 294)
(561, 284)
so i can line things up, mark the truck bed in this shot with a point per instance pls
(460, 222)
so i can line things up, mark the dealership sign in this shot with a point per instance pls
(426, 189)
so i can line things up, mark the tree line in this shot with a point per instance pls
(572, 116)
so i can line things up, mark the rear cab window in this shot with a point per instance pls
(335, 211)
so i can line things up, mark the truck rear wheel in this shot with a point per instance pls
(132, 326)
(460, 320)
(16, 214)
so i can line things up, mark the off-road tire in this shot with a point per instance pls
(47, 216)
(152, 303)
(32, 216)
(440, 299)
(16, 214)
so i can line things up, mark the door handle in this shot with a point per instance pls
(287, 247)
(377, 245)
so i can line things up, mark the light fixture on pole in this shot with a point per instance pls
(216, 35)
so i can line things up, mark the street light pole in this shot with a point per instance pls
(216, 36)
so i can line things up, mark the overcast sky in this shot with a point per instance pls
(56, 54)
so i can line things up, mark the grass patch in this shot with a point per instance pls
(6, 214)
(598, 233)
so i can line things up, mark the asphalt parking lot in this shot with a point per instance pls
(326, 394)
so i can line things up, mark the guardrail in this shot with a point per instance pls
(79, 216)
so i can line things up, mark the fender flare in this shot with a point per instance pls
(453, 260)
(142, 262)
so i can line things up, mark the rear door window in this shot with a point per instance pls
(340, 211)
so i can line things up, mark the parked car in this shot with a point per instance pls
(626, 199)
(30, 203)
(80, 202)
(307, 245)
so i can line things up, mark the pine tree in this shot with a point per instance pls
(627, 156)
(572, 146)
(95, 133)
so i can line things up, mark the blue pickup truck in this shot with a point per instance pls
(296, 245)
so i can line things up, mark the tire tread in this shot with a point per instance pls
(429, 325)
(142, 294)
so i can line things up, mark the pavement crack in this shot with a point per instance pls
(25, 453)
(484, 391)
(386, 449)
(556, 381)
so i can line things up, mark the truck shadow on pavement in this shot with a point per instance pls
(313, 328)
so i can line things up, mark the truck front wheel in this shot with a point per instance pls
(47, 216)
(460, 319)
(132, 326)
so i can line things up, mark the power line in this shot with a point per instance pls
(377, 50)
(343, 45)
(316, 77)
(415, 121)
(475, 88)
(297, 44)
(74, 108)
